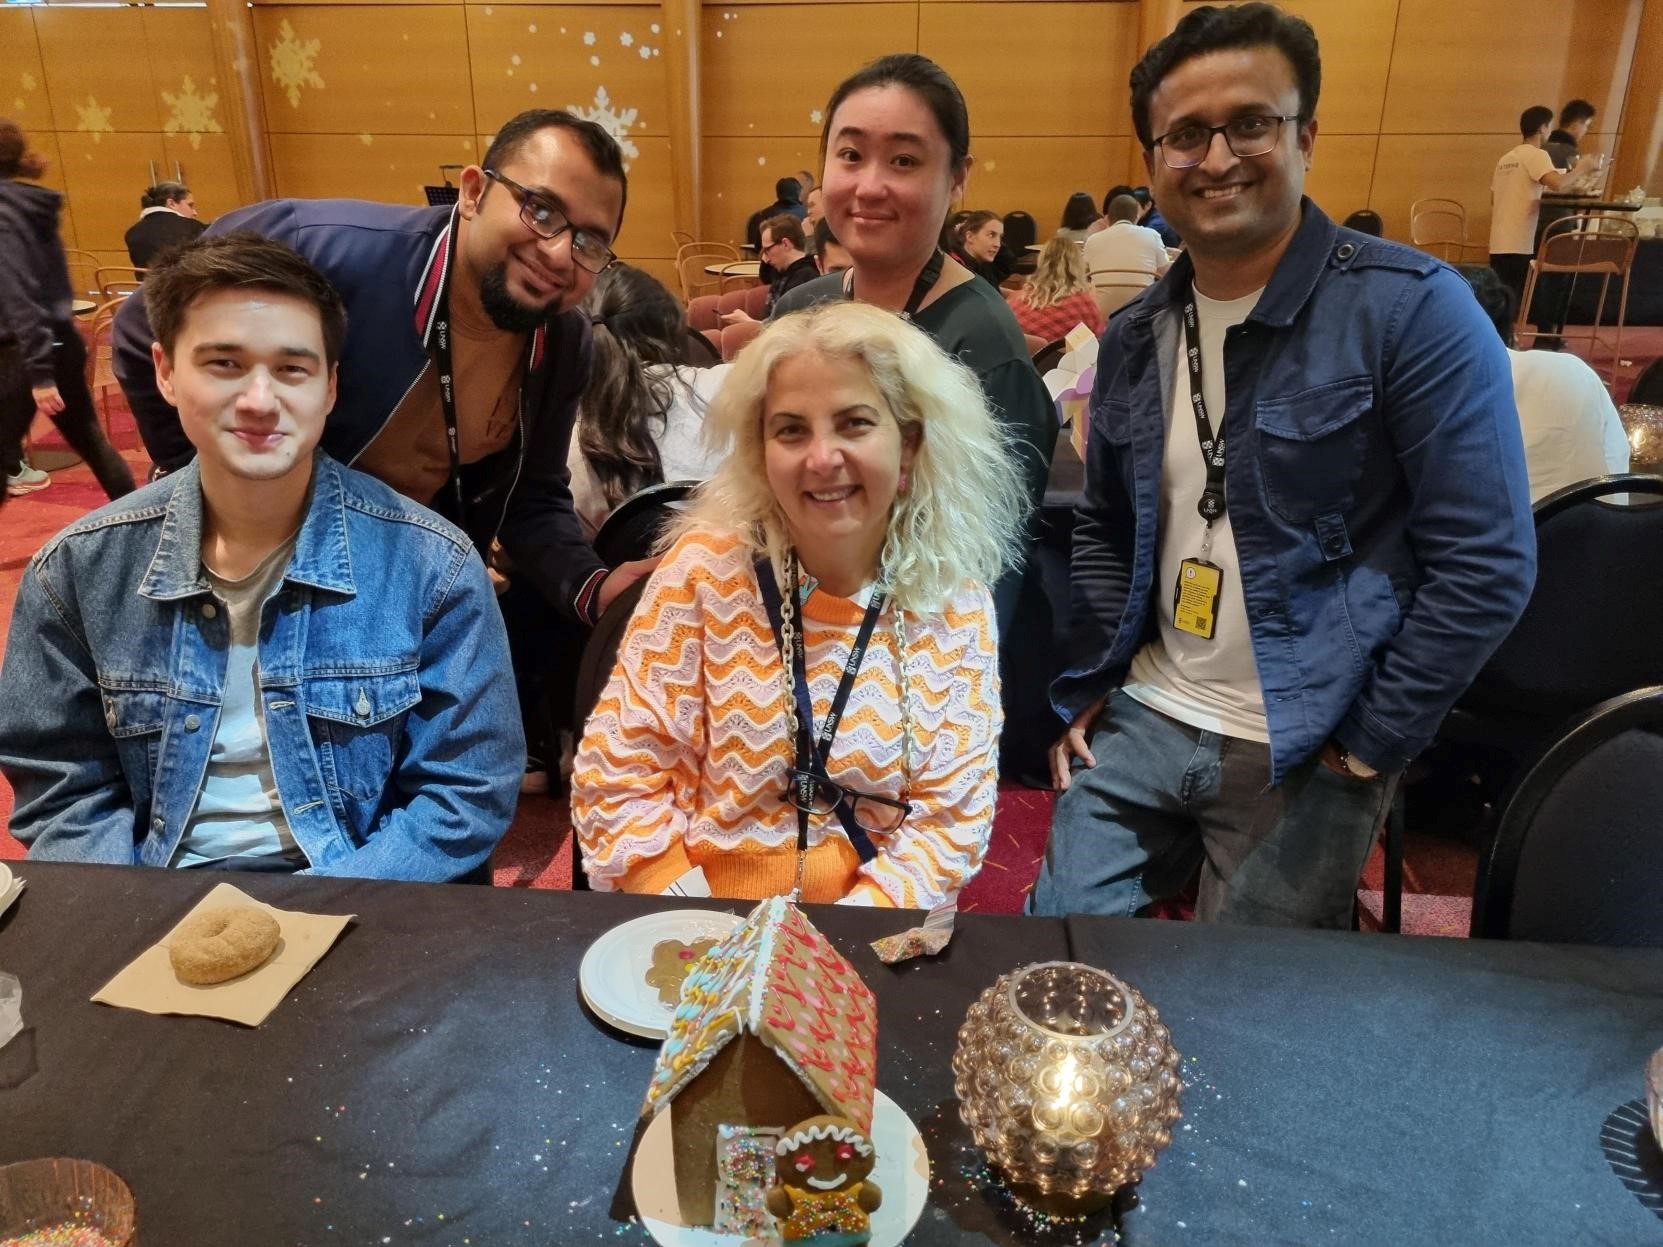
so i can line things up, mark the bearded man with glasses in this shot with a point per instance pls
(1306, 521)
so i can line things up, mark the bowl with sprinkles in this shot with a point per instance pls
(64, 1203)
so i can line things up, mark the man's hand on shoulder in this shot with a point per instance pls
(619, 579)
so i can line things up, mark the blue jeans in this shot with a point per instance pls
(1166, 798)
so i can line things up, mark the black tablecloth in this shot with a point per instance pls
(1645, 291)
(436, 1079)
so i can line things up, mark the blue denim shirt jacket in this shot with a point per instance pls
(384, 685)
(1375, 482)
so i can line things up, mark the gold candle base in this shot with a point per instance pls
(1056, 1204)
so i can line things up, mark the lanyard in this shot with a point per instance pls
(925, 283)
(447, 387)
(1211, 505)
(814, 749)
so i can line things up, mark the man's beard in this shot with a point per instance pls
(507, 312)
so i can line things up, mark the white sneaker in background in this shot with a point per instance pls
(27, 481)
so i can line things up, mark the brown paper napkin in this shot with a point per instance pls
(149, 984)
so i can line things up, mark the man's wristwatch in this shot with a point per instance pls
(1353, 765)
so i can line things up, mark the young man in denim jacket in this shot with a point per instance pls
(1279, 590)
(264, 661)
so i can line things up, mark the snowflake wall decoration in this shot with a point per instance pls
(615, 123)
(94, 117)
(293, 63)
(192, 114)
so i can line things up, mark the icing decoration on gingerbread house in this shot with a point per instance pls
(773, 1026)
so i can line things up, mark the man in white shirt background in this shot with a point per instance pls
(1516, 197)
(1127, 247)
(1572, 431)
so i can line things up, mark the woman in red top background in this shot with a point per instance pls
(1058, 296)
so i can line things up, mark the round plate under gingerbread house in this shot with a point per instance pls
(631, 975)
(902, 1173)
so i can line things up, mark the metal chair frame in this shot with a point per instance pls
(1587, 244)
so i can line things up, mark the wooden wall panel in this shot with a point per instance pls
(1342, 167)
(46, 142)
(24, 96)
(1453, 166)
(104, 174)
(1037, 175)
(349, 70)
(739, 177)
(1079, 94)
(650, 214)
(98, 76)
(391, 168)
(605, 63)
(768, 69)
(1473, 67)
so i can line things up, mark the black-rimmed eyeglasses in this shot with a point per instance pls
(872, 812)
(547, 221)
(1187, 146)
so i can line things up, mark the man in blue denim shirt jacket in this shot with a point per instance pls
(1245, 692)
(374, 680)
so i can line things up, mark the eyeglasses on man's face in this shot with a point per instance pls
(1254, 135)
(872, 813)
(547, 221)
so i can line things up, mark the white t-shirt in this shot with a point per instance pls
(681, 450)
(1212, 685)
(1572, 431)
(1124, 246)
(1516, 199)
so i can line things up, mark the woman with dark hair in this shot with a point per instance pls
(1078, 216)
(42, 358)
(896, 144)
(641, 420)
(975, 240)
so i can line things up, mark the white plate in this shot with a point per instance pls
(902, 1173)
(10, 888)
(613, 976)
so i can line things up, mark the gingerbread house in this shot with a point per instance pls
(773, 1026)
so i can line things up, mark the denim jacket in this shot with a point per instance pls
(385, 689)
(1375, 481)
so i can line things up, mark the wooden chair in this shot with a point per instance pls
(691, 259)
(1114, 288)
(681, 238)
(1440, 226)
(116, 281)
(100, 365)
(82, 267)
(1584, 245)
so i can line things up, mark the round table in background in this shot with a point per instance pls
(735, 268)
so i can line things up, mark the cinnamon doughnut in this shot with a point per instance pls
(221, 943)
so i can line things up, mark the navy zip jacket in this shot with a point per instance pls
(35, 294)
(387, 262)
(1376, 487)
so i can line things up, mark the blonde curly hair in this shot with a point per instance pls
(1060, 272)
(961, 519)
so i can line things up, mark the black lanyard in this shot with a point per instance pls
(447, 385)
(1211, 505)
(814, 749)
(920, 288)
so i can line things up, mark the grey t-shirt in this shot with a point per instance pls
(238, 816)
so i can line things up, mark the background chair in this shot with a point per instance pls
(1578, 852)
(1114, 288)
(1648, 386)
(1020, 234)
(700, 351)
(691, 260)
(100, 370)
(703, 311)
(82, 266)
(1591, 246)
(1585, 635)
(1440, 226)
(632, 530)
(735, 338)
(600, 655)
(116, 281)
(1366, 221)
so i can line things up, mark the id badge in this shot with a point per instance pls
(1195, 598)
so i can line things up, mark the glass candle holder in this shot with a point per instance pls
(1069, 1082)
(67, 1201)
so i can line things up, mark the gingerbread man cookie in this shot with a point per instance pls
(823, 1167)
(671, 960)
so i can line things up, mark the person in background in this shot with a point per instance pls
(43, 360)
(830, 256)
(864, 493)
(786, 260)
(1152, 218)
(642, 417)
(1120, 253)
(1574, 119)
(1058, 296)
(976, 239)
(1079, 214)
(1306, 521)
(813, 213)
(787, 199)
(264, 661)
(167, 217)
(1572, 431)
(1516, 197)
